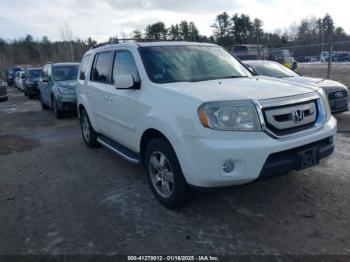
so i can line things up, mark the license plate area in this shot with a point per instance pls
(307, 158)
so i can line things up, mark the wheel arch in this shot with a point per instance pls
(147, 136)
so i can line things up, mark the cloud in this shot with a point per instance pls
(104, 18)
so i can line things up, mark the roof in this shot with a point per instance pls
(172, 43)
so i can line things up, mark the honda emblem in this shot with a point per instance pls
(298, 115)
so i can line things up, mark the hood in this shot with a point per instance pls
(326, 84)
(246, 88)
(72, 84)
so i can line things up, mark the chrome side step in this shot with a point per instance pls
(120, 150)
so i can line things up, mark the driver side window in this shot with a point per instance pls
(124, 64)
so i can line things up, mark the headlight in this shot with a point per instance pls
(325, 103)
(65, 91)
(235, 115)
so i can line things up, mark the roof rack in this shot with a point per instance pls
(122, 40)
(117, 41)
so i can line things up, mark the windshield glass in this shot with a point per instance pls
(65, 73)
(34, 73)
(272, 69)
(165, 64)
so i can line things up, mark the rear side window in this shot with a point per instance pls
(124, 64)
(83, 67)
(102, 67)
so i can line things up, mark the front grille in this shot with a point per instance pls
(338, 94)
(291, 118)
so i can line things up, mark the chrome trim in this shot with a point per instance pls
(122, 155)
(291, 111)
(284, 101)
(322, 115)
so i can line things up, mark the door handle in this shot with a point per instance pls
(108, 99)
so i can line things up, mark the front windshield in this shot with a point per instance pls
(34, 73)
(272, 69)
(166, 64)
(65, 73)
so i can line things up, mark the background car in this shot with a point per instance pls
(57, 86)
(3, 92)
(21, 80)
(17, 78)
(10, 75)
(31, 82)
(338, 94)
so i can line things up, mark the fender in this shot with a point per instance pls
(84, 102)
(173, 129)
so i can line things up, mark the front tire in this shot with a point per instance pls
(58, 113)
(87, 131)
(43, 106)
(165, 175)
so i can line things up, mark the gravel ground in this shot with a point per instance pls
(59, 197)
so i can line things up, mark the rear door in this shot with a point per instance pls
(97, 87)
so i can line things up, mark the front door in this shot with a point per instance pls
(122, 103)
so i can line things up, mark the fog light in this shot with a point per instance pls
(228, 166)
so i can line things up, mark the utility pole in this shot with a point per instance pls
(330, 54)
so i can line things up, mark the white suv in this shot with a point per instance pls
(192, 114)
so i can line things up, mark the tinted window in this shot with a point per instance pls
(65, 73)
(33, 73)
(83, 67)
(101, 69)
(272, 69)
(124, 64)
(165, 64)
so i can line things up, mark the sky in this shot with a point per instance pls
(101, 19)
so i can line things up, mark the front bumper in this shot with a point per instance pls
(32, 89)
(67, 103)
(339, 105)
(3, 98)
(202, 159)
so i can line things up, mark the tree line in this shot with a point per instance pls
(228, 30)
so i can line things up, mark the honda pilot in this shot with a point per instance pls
(193, 115)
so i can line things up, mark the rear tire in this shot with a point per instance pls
(165, 175)
(87, 131)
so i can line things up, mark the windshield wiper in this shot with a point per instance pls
(216, 78)
(227, 77)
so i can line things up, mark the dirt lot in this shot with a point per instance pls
(339, 72)
(59, 197)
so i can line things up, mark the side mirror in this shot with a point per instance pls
(44, 79)
(124, 82)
